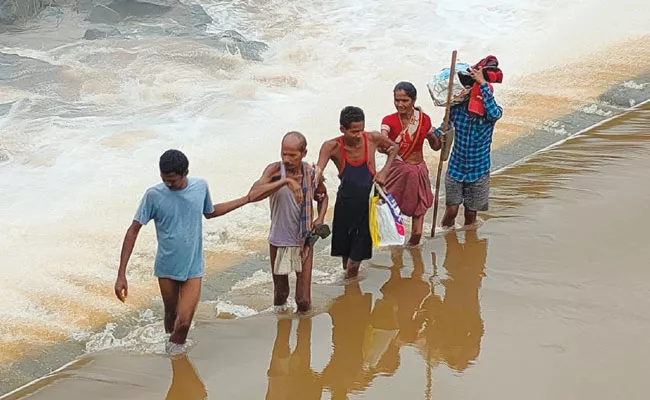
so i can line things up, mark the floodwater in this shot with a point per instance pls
(548, 299)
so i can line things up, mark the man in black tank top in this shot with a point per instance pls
(354, 156)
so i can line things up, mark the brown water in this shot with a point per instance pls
(547, 300)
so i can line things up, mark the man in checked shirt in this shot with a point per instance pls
(467, 180)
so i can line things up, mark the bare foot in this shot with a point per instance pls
(475, 224)
(305, 314)
(444, 229)
(283, 309)
(174, 349)
(412, 243)
(351, 273)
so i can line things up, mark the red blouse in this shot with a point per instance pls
(407, 143)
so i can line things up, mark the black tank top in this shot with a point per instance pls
(356, 178)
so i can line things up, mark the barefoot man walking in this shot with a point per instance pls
(176, 205)
(353, 154)
(292, 188)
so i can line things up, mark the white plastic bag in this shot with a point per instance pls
(439, 84)
(386, 227)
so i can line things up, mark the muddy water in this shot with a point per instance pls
(547, 300)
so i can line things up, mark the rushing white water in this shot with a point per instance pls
(85, 136)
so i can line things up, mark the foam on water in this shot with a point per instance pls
(145, 339)
(236, 310)
(259, 277)
(84, 136)
(634, 85)
(594, 109)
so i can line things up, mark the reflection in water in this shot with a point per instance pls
(290, 375)
(403, 297)
(408, 294)
(367, 338)
(453, 326)
(350, 315)
(186, 384)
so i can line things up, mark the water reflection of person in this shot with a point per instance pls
(186, 384)
(403, 296)
(290, 374)
(350, 315)
(454, 327)
(407, 294)
(367, 344)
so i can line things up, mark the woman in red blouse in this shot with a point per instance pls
(408, 178)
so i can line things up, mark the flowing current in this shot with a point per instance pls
(83, 123)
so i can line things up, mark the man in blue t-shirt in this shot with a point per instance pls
(176, 205)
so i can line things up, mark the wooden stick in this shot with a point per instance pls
(445, 127)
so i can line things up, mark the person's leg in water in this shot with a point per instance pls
(359, 244)
(455, 193)
(169, 290)
(188, 299)
(303, 281)
(449, 219)
(416, 230)
(470, 217)
(477, 198)
(352, 268)
(280, 282)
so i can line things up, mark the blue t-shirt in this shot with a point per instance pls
(179, 227)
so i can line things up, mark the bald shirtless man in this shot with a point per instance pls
(353, 154)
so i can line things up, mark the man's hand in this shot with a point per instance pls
(383, 145)
(380, 177)
(443, 131)
(324, 156)
(318, 174)
(477, 74)
(254, 193)
(296, 188)
(121, 288)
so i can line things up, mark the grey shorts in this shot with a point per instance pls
(473, 195)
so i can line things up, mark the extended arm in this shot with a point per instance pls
(386, 146)
(324, 155)
(266, 186)
(226, 207)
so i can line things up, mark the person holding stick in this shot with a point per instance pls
(408, 177)
(467, 181)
